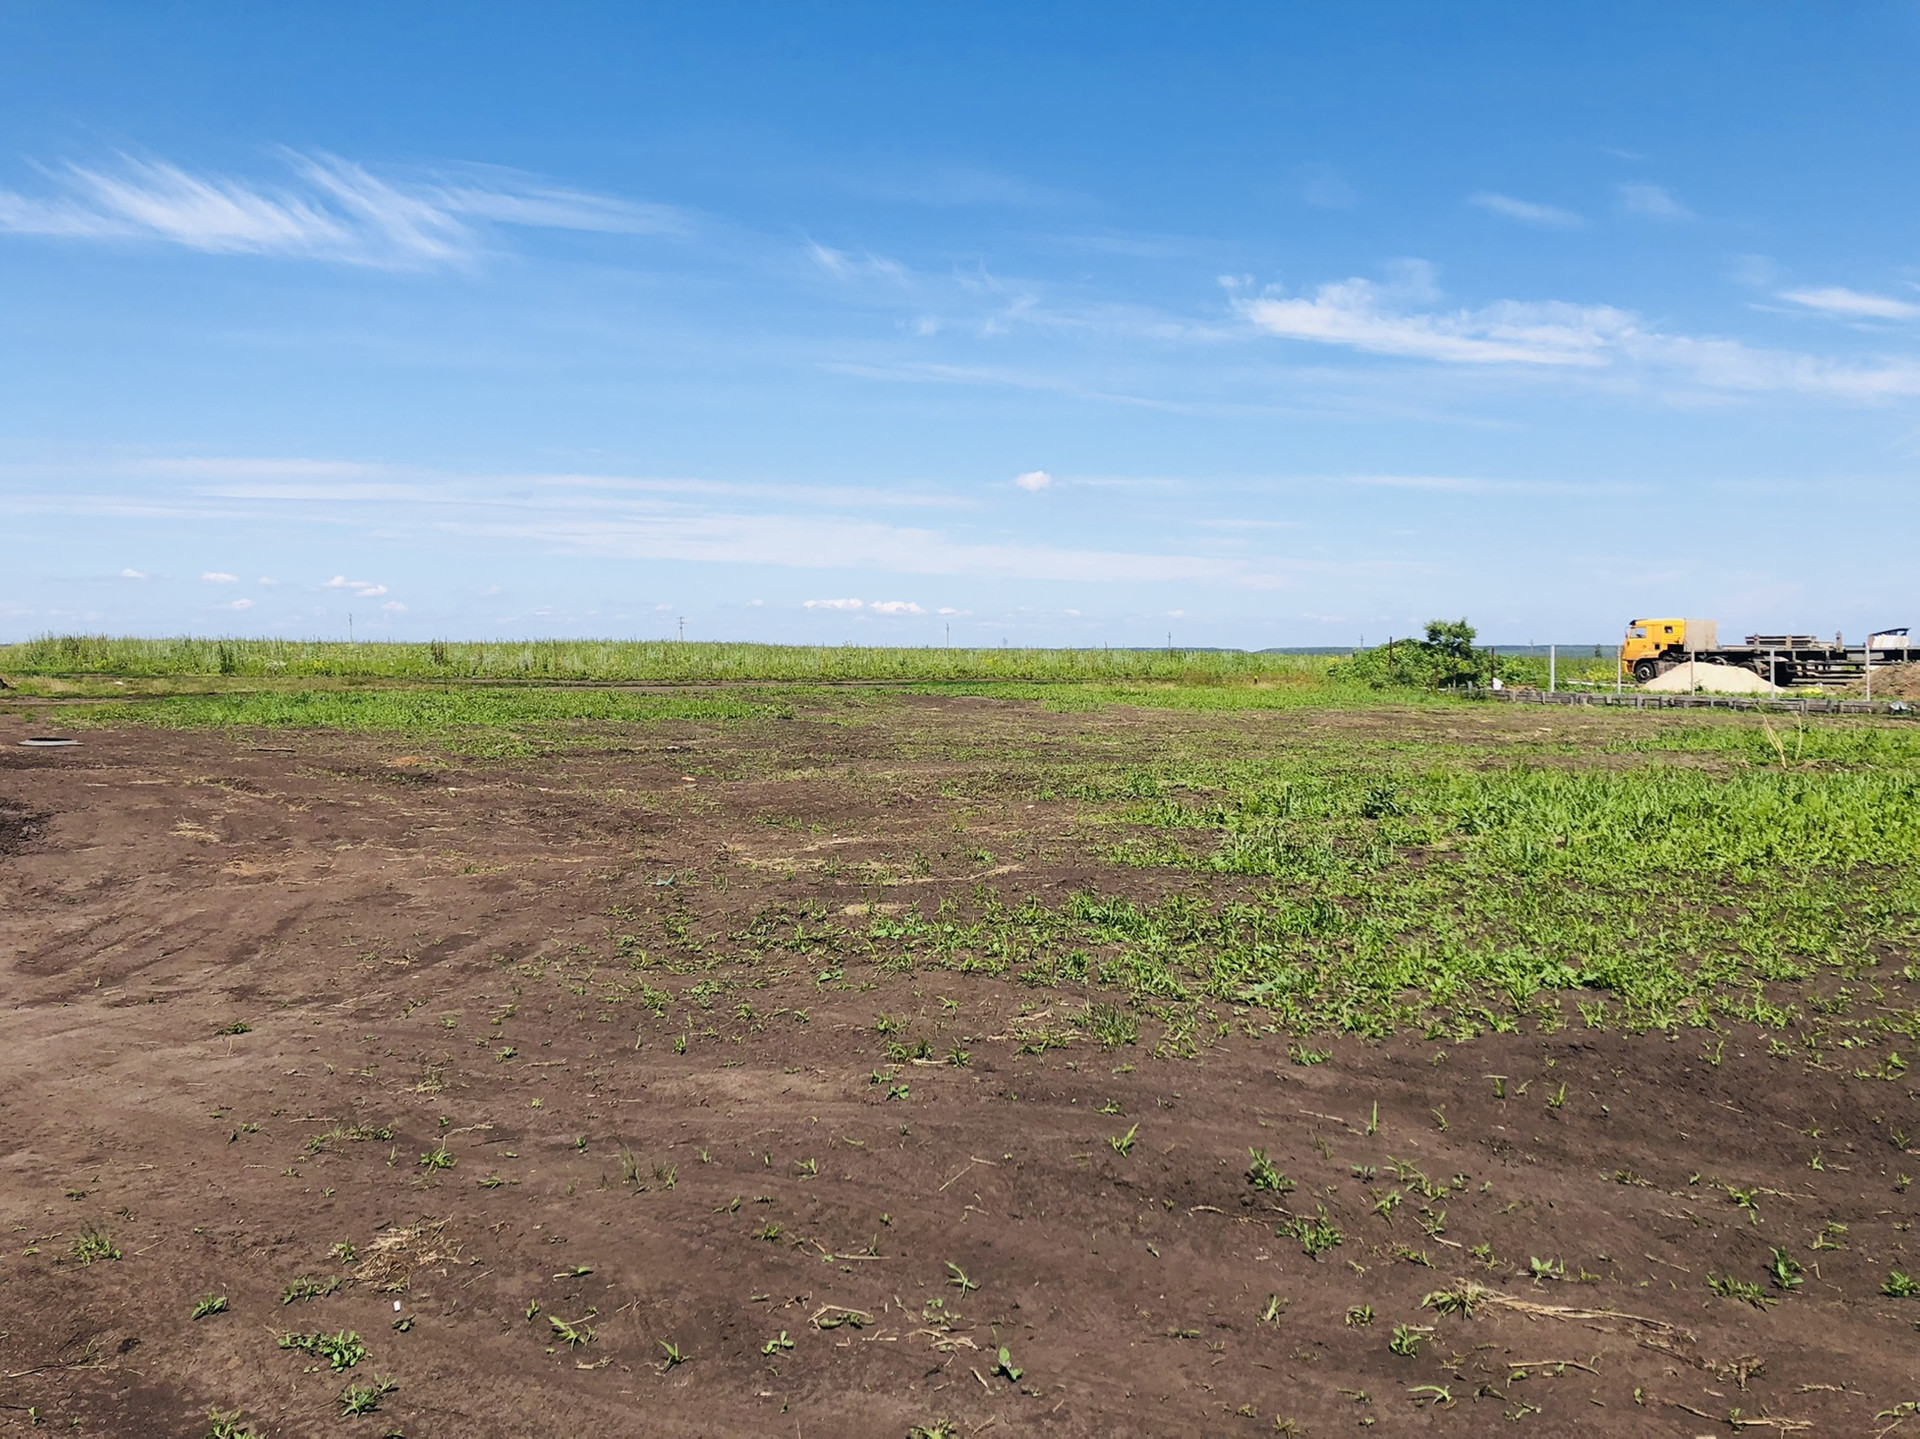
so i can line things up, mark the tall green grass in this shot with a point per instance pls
(662, 661)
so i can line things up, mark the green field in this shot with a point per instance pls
(1461, 875)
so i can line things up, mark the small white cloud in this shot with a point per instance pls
(1654, 201)
(220, 577)
(492, 590)
(755, 604)
(896, 607)
(833, 604)
(1074, 613)
(1527, 212)
(268, 580)
(947, 610)
(366, 589)
(1854, 304)
(1176, 614)
(240, 605)
(1033, 481)
(132, 575)
(394, 607)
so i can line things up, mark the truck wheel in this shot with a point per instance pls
(1644, 670)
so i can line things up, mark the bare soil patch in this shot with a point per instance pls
(368, 1038)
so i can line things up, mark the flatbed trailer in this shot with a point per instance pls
(1655, 646)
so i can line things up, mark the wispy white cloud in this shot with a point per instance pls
(1654, 201)
(132, 575)
(847, 267)
(896, 607)
(240, 604)
(220, 577)
(322, 208)
(1366, 316)
(1033, 481)
(1400, 319)
(833, 604)
(1853, 304)
(1527, 212)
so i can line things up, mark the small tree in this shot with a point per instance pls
(1444, 657)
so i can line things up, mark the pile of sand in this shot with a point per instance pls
(1685, 678)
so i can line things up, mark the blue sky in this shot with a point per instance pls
(1254, 325)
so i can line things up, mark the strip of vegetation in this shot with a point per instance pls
(666, 661)
(482, 720)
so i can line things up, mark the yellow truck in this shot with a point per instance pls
(1654, 646)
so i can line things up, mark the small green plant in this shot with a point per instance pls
(1406, 1340)
(1901, 1286)
(1459, 1301)
(365, 1398)
(1300, 1054)
(306, 1287)
(1832, 1235)
(957, 1277)
(342, 1350)
(438, 1157)
(1360, 1316)
(343, 1253)
(1316, 1232)
(1122, 1144)
(1273, 1309)
(934, 1429)
(674, 1356)
(228, 1425)
(1262, 1174)
(1538, 1269)
(572, 1332)
(91, 1245)
(1004, 1365)
(209, 1304)
(777, 1344)
(1111, 1025)
(1747, 1292)
(1785, 1271)
(239, 1026)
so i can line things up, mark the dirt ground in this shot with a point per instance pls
(273, 995)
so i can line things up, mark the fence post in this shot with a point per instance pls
(1551, 669)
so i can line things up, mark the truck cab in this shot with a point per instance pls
(1652, 646)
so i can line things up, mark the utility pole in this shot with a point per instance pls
(349, 626)
(683, 629)
(949, 634)
(1552, 668)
